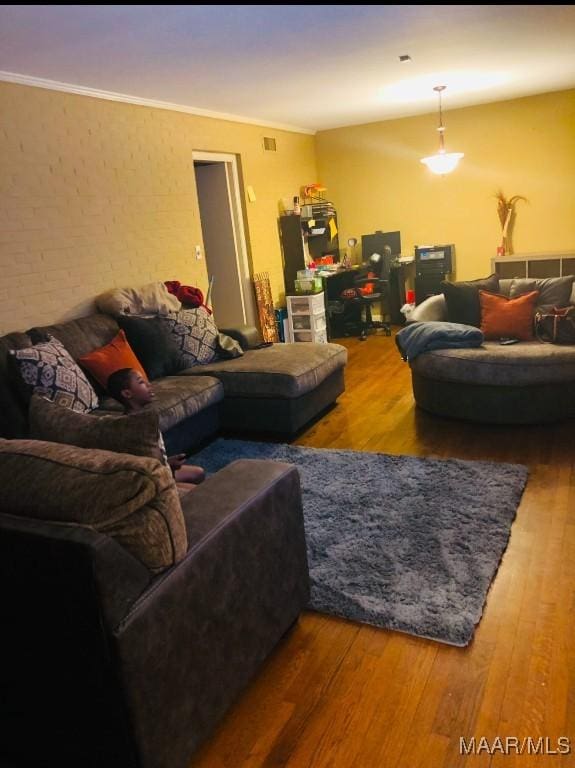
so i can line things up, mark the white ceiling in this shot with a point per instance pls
(307, 67)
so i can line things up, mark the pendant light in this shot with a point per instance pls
(443, 162)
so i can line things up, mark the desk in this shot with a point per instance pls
(336, 282)
(333, 285)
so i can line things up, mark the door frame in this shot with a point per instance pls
(243, 266)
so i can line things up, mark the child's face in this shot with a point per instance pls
(140, 391)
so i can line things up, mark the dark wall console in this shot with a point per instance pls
(433, 264)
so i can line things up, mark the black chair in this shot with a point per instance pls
(374, 272)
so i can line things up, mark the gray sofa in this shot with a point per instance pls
(276, 389)
(525, 383)
(106, 665)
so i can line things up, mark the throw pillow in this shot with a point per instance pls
(462, 299)
(152, 344)
(130, 498)
(553, 291)
(48, 369)
(102, 362)
(502, 317)
(195, 334)
(136, 434)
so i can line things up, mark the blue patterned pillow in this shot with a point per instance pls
(48, 369)
(195, 334)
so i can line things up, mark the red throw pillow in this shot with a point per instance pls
(102, 362)
(512, 318)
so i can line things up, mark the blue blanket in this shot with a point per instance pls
(423, 337)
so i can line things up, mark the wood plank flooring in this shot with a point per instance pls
(335, 694)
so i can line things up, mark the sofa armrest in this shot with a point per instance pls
(248, 336)
(432, 309)
(201, 631)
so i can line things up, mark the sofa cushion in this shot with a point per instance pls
(176, 398)
(523, 364)
(152, 344)
(79, 336)
(462, 299)
(282, 370)
(104, 361)
(553, 291)
(136, 434)
(130, 498)
(195, 334)
(47, 368)
(502, 317)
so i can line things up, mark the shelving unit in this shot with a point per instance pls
(306, 318)
(301, 242)
(537, 265)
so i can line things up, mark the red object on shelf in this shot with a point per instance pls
(410, 297)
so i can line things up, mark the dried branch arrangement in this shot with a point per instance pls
(506, 213)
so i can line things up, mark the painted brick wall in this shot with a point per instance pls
(96, 194)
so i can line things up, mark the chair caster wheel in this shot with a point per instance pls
(363, 337)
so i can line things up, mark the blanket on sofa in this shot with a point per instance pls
(424, 337)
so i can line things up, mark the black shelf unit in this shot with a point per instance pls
(292, 231)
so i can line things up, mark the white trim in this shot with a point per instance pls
(235, 201)
(95, 93)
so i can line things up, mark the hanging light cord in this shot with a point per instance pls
(441, 129)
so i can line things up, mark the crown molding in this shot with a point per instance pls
(95, 93)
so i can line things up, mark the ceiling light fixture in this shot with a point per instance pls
(443, 162)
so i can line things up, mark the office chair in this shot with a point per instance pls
(372, 286)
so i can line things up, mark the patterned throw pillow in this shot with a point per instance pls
(195, 334)
(49, 369)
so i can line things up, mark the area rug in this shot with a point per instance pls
(400, 542)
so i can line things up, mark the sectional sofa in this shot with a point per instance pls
(118, 659)
(274, 389)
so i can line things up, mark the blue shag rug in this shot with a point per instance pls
(400, 542)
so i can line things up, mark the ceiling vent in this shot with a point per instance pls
(269, 144)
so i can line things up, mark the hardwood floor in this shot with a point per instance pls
(335, 694)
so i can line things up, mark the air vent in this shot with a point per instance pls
(269, 144)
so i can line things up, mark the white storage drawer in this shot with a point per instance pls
(306, 305)
(306, 318)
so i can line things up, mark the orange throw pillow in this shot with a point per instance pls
(102, 362)
(512, 318)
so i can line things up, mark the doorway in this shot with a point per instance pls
(225, 249)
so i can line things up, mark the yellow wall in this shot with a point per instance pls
(525, 147)
(96, 194)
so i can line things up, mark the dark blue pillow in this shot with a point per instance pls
(462, 299)
(152, 345)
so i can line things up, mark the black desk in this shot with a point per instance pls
(333, 285)
(336, 282)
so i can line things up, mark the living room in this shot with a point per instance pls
(98, 192)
